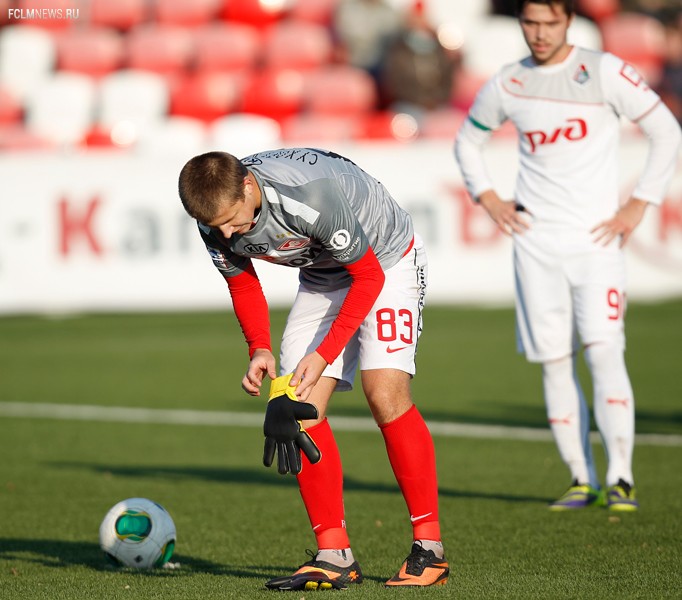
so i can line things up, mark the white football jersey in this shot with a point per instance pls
(567, 119)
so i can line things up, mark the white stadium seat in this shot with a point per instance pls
(131, 102)
(27, 58)
(62, 110)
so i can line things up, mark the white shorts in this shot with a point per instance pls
(568, 290)
(387, 338)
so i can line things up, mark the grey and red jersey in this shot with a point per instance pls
(319, 211)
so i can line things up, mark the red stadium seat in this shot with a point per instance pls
(185, 13)
(162, 49)
(254, 12)
(15, 137)
(598, 10)
(441, 124)
(206, 95)
(275, 93)
(388, 126)
(637, 39)
(323, 128)
(339, 90)
(315, 11)
(119, 14)
(94, 51)
(297, 45)
(11, 110)
(4, 12)
(466, 85)
(227, 46)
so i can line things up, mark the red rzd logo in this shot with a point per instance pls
(574, 130)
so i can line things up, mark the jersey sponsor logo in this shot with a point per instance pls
(345, 255)
(304, 259)
(516, 81)
(340, 239)
(572, 131)
(256, 248)
(295, 244)
(398, 349)
(581, 75)
(629, 73)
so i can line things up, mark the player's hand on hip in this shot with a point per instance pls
(508, 215)
(262, 364)
(307, 374)
(622, 224)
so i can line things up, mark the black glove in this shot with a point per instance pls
(283, 431)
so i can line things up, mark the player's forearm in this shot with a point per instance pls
(251, 310)
(469, 155)
(665, 138)
(368, 281)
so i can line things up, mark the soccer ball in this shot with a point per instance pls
(138, 533)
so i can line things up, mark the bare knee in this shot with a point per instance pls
(387, 392)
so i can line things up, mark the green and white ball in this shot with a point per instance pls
(138, 533)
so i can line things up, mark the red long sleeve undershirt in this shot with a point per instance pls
(251, 308)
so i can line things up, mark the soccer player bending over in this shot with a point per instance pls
(362, 273)
(568, 228)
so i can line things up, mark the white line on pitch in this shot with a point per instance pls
(84, 412)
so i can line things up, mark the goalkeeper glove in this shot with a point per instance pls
(283, 431)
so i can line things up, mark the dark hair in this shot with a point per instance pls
(208, 181)
(568, 5)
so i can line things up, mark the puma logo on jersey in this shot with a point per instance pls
(572, 131)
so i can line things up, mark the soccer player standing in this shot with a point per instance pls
(568, 228)
(362, 274)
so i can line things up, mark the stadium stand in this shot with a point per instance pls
(62, 110)
(163, 49)
(184, 13)
(121, 14)
(11, 109)
(275, 93)
(27, 58)
(227, 46)
(207, 67)
(339, 90)
(254, 12)
(206, 95)
(246, 133)
(638, 39)
(297, 45)
(130, 102)
(95, 51)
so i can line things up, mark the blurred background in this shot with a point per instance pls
(102, 102)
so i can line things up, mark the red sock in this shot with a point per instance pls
(321, 487)
(413, 458)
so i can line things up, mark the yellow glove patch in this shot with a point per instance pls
(280, 387)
